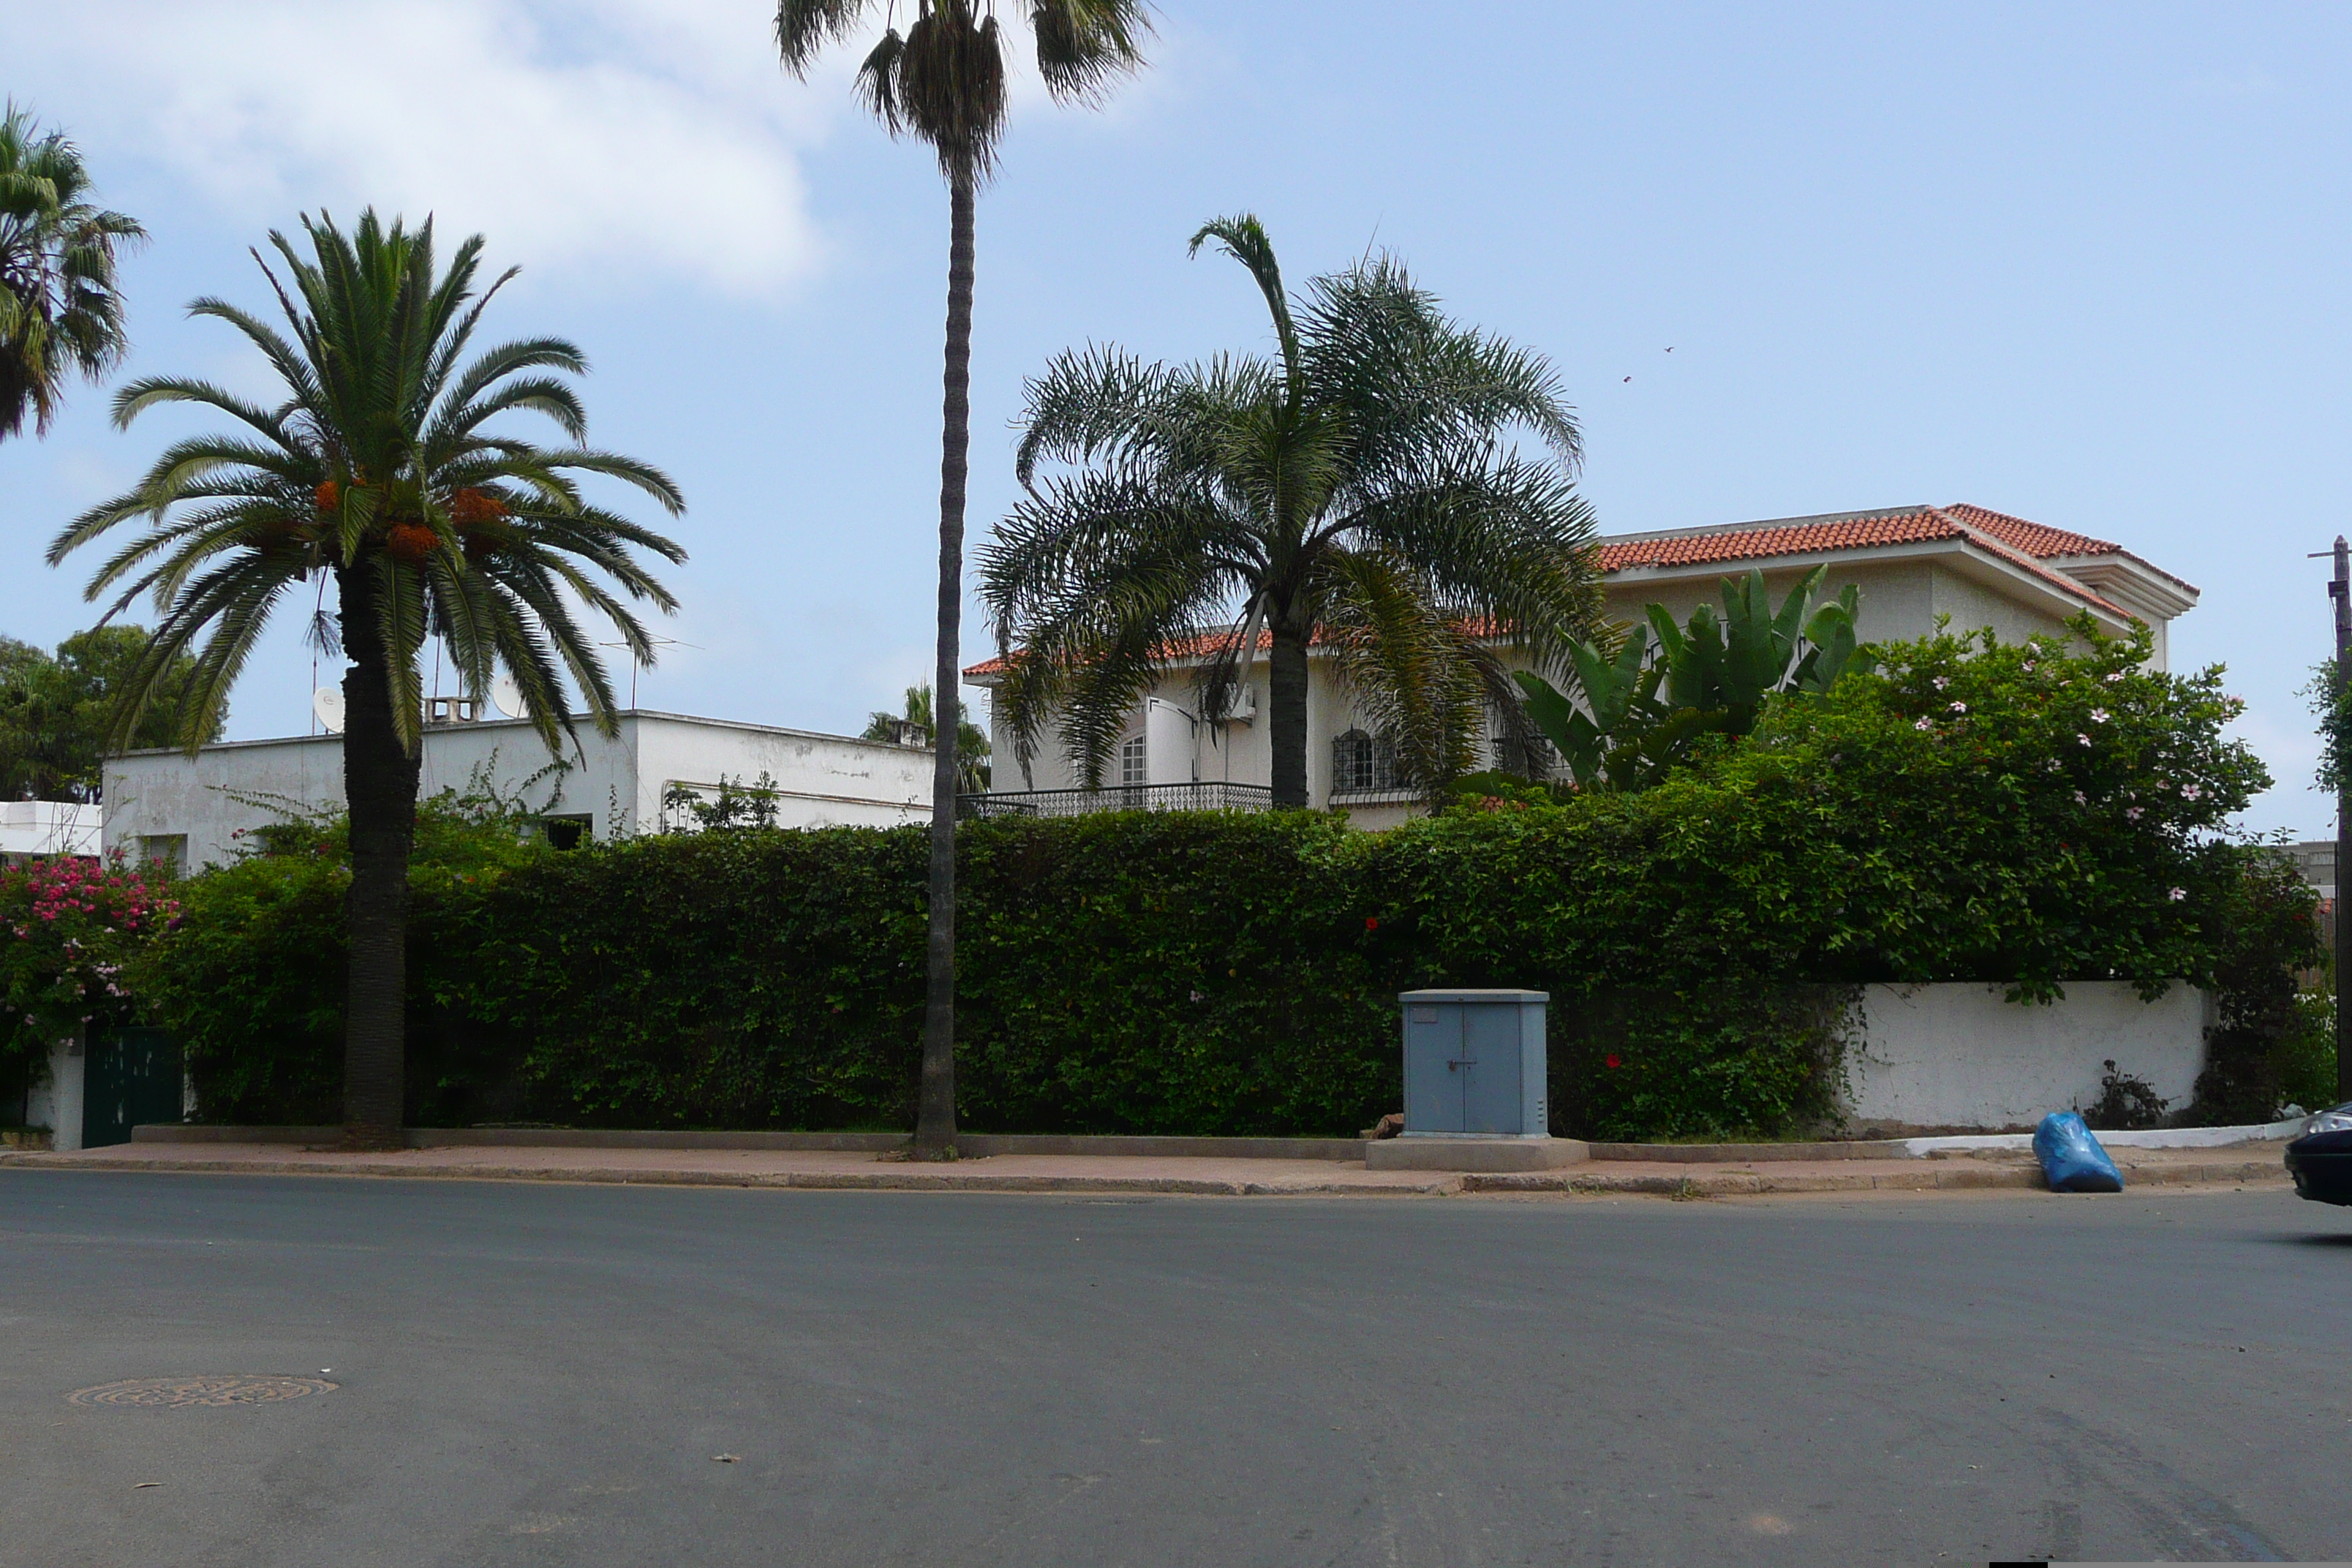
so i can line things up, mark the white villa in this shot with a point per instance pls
(1912, 563)
(193, 811)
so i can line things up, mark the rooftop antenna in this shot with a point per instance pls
(636, 666)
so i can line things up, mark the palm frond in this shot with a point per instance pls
(803, 27)
(1083, 46)
(1243, 238)
(946, 87)
(358, 474)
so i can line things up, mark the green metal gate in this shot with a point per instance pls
(129, 1076)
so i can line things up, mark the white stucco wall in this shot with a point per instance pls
(1183, 750)
(42, 827)
(1959, 1057)
(57, 1104)
(1898, 598)
(155, 797)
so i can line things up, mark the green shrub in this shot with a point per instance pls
(2018, 815)
(1713, 1063)
(2307, 1054)
(252, 976)
(2259, 1037)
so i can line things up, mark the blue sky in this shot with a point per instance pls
(2081, 263)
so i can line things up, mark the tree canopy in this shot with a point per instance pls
(1360, 489)
(60, 309)
(57, 711)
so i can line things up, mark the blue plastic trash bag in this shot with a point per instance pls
(2070, 1157)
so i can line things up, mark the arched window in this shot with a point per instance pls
(1134, 769)
(1362, 764)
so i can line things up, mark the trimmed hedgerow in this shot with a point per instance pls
(2021, 814)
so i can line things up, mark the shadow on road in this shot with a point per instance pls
(2341, 1239)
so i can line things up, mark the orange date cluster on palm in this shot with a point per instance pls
(470, 508)
(328, 496)
(408, 542)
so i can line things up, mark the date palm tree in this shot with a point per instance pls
(61, 310)
(378, 477)
(1360, 489)
(943, 82)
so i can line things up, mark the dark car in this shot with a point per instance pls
(2321, 1160)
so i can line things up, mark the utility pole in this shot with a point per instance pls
(2340, 590)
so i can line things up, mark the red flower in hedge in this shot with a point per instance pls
(1610, 1062)
(1371, 922)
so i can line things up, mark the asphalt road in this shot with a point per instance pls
(544, 1374)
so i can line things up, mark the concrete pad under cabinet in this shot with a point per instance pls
(1437, 1153)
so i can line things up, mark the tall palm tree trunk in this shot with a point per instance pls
(380, 784)
(935, 1108)
(1286, 713)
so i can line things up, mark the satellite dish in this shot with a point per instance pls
(327, 706)
(509, 698)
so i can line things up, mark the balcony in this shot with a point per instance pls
(1125, 797)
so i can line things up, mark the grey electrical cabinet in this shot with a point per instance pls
(1474, 1064)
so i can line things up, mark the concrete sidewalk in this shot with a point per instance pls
(2245, 1165)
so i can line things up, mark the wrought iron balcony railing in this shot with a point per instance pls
(1211, 796)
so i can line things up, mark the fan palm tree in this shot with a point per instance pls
(971, 740)
(943, 82)
(60, 311)
(1358, 489)
(377, 477)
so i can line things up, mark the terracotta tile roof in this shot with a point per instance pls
(1183, 647)
(2048, 543)
(2036, 539)
(2024, 545)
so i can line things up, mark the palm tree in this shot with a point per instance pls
(60, 312)
(971, 741)
(1358, 489)
(943, 82)
(377, 477)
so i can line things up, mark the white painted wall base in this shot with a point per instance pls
(57, 1104)
(1958, 1057)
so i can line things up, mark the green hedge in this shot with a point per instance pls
(2014, 815)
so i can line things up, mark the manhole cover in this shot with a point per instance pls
(180, 1393)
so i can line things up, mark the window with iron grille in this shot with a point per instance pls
(1133, 771)
(1362, 764)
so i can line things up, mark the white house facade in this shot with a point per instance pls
(36, 829)
(1913, 564)
(195, 811)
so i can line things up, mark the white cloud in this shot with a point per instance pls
(603, 138)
